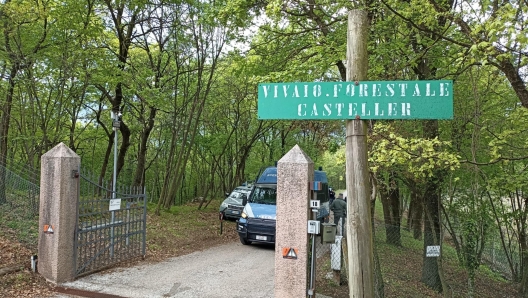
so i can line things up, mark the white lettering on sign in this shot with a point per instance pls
(393, 109)
(367, 89)
(353, 100)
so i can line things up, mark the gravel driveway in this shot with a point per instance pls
(231, 270)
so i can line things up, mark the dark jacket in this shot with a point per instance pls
(339, 207)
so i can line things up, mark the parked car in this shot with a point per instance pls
(232, 207)
(258, 218)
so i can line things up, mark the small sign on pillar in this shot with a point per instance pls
(290, 253)
(313, 227)
(48, 229)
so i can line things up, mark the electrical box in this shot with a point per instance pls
(329, 233)
(313, 227)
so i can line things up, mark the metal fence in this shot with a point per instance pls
(19, 202)
(103, 237)
(507, 264)
(111, 227)
(401, 265)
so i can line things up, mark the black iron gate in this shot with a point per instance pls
(111, 227)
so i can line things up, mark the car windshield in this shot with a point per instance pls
(237, 194)
(264, 195)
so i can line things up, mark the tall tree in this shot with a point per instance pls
(124, 16)
(481, 31)
(25, 30)
(390, 199)
(198, 61)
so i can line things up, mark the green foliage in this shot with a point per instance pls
(197, 65)
(487, 271)
(510, 143)
(334, 165)
(418, 157)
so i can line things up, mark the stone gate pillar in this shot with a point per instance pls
(59, 191)
(295, 171)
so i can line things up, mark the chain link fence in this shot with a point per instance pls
(505, 262)
(19, 202)
(402, 269)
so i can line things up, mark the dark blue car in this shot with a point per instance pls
(257, 221)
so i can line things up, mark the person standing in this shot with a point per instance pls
(331, 194)
(339, 207)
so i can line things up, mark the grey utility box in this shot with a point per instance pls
(328, 233)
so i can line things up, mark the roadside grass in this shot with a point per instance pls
(401, 268)
(21, 226)
(184, 229)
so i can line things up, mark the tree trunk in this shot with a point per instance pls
(142, 154)
(415, 217)
(471, 284)
(431, 271)
(391, 211)
(208, 188)
(124, 30)
(125, 144)
(379, 285)
(106, 159)
(171, 160)
(504, 245)
(4, 130)
(181, 161)
(524, 263)
(204, 79)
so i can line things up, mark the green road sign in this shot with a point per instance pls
(348, 100)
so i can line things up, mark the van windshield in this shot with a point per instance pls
(264, 195)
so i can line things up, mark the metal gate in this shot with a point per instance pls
(110, 228)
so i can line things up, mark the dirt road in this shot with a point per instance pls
(228, 271)
(231, 270)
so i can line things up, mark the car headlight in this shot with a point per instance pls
(243, 215)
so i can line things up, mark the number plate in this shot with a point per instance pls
(261, 237)
(235, 212)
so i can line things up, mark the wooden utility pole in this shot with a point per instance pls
(360, 100)
(358, 223)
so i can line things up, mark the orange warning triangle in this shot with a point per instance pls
(289, 253)
(48, 229)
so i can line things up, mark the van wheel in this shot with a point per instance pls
(244, 241)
